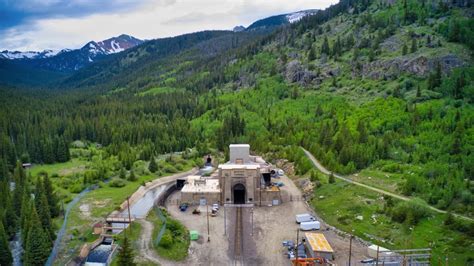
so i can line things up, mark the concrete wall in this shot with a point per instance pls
(228, 178)
(239, 153)
(267, 197)
(194, 198)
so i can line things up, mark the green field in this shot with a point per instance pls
(75, 165)
(340, 203)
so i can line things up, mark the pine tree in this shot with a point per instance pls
(404, 49)
(371, 55)
(153, 167)
(19, 177)
(42, 207)
(126, 254)
(48, 152)
(434, 80)
(325, 46)
(5, 253)
(38, 244)
(331, 178)
(50, 196)
(460, 83)
(62, 151)
(122, 174)
(132, 176)
(25, 217)
(414, 45)
(311, 54)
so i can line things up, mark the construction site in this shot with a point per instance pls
(251, 211)
(242, 212)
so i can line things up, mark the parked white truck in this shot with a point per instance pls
(309, 226)
(304, 217)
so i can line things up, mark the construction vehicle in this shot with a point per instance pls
(309, 261)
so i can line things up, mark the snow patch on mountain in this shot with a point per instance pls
(27, 55)
(297, 16)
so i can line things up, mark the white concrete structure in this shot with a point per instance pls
(239, 153)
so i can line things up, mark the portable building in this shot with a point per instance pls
(318, 246)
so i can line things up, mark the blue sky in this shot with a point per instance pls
(56, 24)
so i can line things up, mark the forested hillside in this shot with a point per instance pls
(365, 85)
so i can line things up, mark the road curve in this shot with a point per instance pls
(323, 169)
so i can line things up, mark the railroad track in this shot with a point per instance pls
(238, 238)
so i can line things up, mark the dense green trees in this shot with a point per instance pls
(5, 254)
(153, 167)
(38, 243)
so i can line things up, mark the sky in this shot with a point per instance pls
(34, 25)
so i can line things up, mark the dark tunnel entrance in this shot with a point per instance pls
(239, 194)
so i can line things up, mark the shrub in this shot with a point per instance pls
(331, 179)
(117, 182)
(410, 212)
(167, 240)
(170, 169)
(314, 176)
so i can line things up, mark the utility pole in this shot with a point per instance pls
(350, 249)
(129, 215)
(207, 214)
(297, 240)
(377, 261)
(225, 221)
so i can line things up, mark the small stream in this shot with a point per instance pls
(16, 249)
(62, 231)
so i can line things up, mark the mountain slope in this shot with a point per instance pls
(157, 57)
(67, 60)
(279, 20)
(28, 55)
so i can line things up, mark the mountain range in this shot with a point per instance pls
(68, 60)
(71, 60)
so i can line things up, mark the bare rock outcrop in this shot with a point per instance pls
(295, 73)
(419, 66)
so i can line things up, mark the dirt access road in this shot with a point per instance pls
(321, 168)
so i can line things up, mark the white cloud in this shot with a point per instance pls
(154, 19)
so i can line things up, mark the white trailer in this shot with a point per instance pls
(304, 217)
(308, 226)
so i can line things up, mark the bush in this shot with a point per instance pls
(410, 212)
(117, 182)
(167, 240)
(391, 168)
(314, 176)
(331, 179)
(170, 169)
